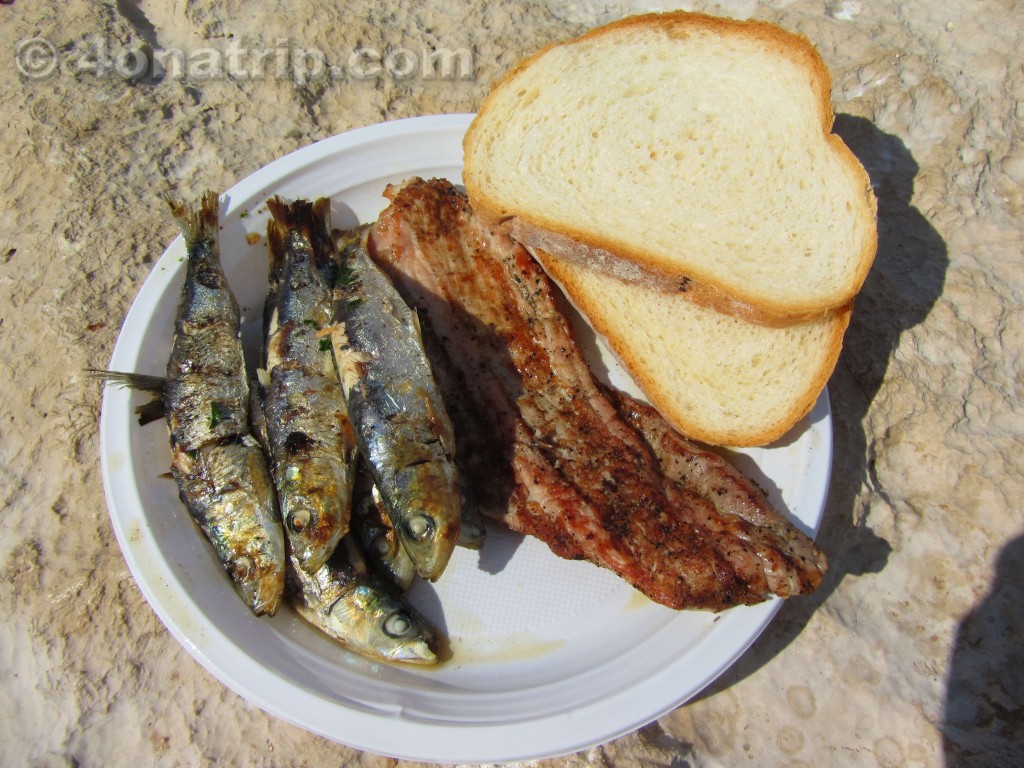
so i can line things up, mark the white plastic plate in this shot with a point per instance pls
(547, 656)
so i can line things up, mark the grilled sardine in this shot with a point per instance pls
(310, 438)
(219, 466)
(342, 599)
(402, 428)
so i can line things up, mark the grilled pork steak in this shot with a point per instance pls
(593, 474)
(792, 564)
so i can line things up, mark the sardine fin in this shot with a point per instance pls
(197, 224)
(297, 215)
(355, 557)
(258, 417)
(350, 362)
(344, 238)
(288, 218)
(154, 410)
(147, 412)
(416, 323)
(323, 243)
(277, 235)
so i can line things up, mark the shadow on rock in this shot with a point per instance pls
(983, 721)
(905, 281)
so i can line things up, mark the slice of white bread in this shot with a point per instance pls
(714, 377)
(682, 151)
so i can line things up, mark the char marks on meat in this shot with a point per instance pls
(592, 473)
(792, 564)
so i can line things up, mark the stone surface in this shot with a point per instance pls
(911, 653)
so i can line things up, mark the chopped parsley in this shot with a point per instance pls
(346, 276)
(216, 414)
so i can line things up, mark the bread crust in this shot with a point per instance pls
(561, 246)
(664, 395)
(655, 270)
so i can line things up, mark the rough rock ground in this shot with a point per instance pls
(911, 654)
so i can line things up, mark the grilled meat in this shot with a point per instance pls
(544, 448)
(792, 564)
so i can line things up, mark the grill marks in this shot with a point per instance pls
(791, 562)
(549, 452)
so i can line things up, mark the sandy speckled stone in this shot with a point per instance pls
(910, 654)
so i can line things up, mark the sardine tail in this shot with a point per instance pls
(297, 215)
(139, 381)
(197, 224)
(209, 214)
(286, 218)
(321, 213)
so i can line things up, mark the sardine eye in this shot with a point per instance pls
(298, 520)
(420, 527)
(398, 625)
(382, 546)
(241, 569)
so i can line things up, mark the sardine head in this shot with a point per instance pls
(411, 638)
(377, 543)
(373, 621)
(429, 538)
(259, 582)
(314, 525)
